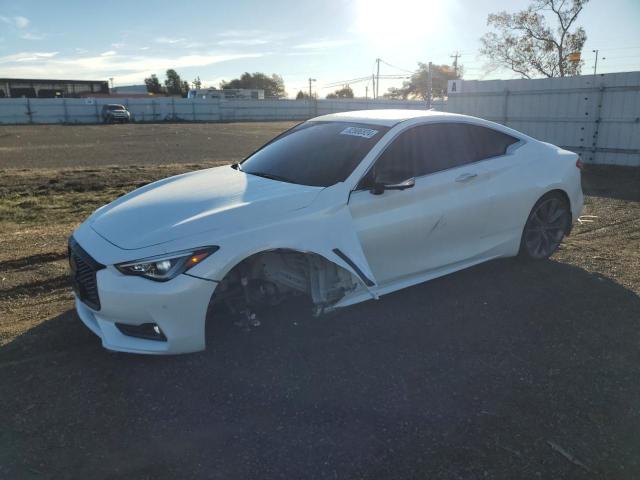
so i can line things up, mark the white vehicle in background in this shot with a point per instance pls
(343, 208)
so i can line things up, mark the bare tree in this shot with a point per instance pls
(526, 44)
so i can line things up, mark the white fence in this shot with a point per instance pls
(159, 109)
(595, 116)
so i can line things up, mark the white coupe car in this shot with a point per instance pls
(342, 208)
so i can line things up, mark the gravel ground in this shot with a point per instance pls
(506, 370)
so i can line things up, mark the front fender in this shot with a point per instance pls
(328, 232)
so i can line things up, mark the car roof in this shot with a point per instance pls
(387, 117)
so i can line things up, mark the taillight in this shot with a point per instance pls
(579, 163)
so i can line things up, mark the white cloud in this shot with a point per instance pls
(170, 41)
(32, 36)
(322, 44)
(241, 33)
(27, 57)
(213, 83)
(179, 42)
(21, 22)
(125, 68)
(243, 41)
(18, 22)
(249, 38)
(306, 53)
(108, 53)
(117, 45)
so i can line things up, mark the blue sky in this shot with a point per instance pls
(332, 40)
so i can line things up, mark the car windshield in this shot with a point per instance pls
(315, 153)
(116, 107)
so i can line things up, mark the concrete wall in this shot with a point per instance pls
(159, 109)
(595, 116)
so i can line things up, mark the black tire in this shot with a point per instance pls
(547, 224)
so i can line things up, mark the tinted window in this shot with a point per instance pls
(398, 162)
(488, 142)
(432, 148)
(315, 153)
(449, 145)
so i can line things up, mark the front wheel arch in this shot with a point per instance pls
(323, 276)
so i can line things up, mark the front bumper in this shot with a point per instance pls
(178, 307)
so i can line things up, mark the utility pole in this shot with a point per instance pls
(366, 92)
(455, 63)
(373, 89)
(311, 80)
(429, 85)
(595, 65)
(378, 78)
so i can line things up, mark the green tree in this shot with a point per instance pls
(197, 83)
(302, 96)
(173, 83)
(526, 44)
(273, 85)
(344, 92)
(395, 93)
(417, 85)
(153, 84)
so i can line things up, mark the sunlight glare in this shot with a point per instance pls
(399, 21)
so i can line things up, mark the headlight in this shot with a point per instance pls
(165, 267)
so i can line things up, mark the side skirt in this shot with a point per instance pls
(361, 296)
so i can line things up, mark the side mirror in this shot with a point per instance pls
(379, 187)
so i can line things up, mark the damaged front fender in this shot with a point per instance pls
(325, 229)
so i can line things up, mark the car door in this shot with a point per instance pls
(438, 222)
(510, 196)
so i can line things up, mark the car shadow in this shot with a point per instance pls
(469, 375)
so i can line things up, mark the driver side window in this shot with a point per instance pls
(397, 163)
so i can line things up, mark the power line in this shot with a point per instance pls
(398, 68)
(363, 79)
(620, 48)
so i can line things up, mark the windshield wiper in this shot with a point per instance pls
(271, 176)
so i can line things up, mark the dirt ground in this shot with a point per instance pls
(506, 370)
(56, 146)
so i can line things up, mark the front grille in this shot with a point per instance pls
(83, 275)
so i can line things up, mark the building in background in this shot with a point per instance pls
(51, 88)
(129, 91)
(244, 93)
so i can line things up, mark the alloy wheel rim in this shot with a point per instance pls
(546, 228)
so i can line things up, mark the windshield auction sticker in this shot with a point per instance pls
(359, 132)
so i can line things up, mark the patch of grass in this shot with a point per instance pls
(70, 195)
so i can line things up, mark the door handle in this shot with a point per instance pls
(465, 177)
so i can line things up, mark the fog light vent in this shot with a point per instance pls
(149, 331)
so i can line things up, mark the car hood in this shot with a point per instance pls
(219, 200)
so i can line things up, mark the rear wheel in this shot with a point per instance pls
(548, 223)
